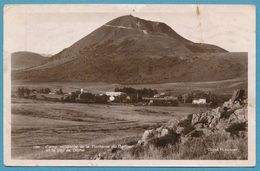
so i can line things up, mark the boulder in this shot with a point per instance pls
(207, 119)
(172, 124)
(238, 95)
(147, 136)
(186, 121)
(179, 130)
(185, 125)
(238, 116)
(228, 104)
(199, 126)
(230, 118)
(163, 132)
(214, 117)
(236, 105)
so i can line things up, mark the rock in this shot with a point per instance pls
(126, 147)
(208, 119)
(238, 116)
(207, 132)
(214, 118)
(236, 105)
(184, 139)
(196, 118)
(228, 119)
(222, 125)
(185, 125)
(147, 136)
(172, 124)
(199, 126)
(229, 111)
(186, 121)
(222, 111)
(228, 104)
(140, 142)
(243, 134)
(238, 95)
(164, 132)
(159, 137)
(159, 129)
(179, 130)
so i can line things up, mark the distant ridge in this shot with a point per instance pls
(24, 59)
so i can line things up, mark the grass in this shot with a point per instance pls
(215, 147)
(40, 123)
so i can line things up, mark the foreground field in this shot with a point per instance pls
(37, 125)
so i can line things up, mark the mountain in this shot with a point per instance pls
(131, 50)
(22, 60)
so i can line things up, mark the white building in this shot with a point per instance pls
(114, 94)
(199, 101)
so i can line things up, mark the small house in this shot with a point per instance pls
(199, 101)
(112, 93)
(115, 96)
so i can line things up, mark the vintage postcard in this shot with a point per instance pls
(129, 85)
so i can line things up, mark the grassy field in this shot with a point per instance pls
(36, 124)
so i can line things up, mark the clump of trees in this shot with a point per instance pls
(71, 97)
(85, 97)
(136, 95)
(211, 98)
(23, 92)
(26, 92)
(43, 90)
(59, 91)
(145, 92)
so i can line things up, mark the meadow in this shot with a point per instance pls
(37, 124)
(42, 123)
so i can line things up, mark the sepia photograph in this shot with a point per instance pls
(129, 85)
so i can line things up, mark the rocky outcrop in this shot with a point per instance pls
(230, 118)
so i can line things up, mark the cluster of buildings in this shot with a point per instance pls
(136, 96)
(161, 99)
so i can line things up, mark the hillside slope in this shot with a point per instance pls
(132, 50)
(22, 60)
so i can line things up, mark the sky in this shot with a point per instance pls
(48, 29)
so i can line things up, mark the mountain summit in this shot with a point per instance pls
(133, 50)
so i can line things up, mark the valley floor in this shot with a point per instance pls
(39, 128)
